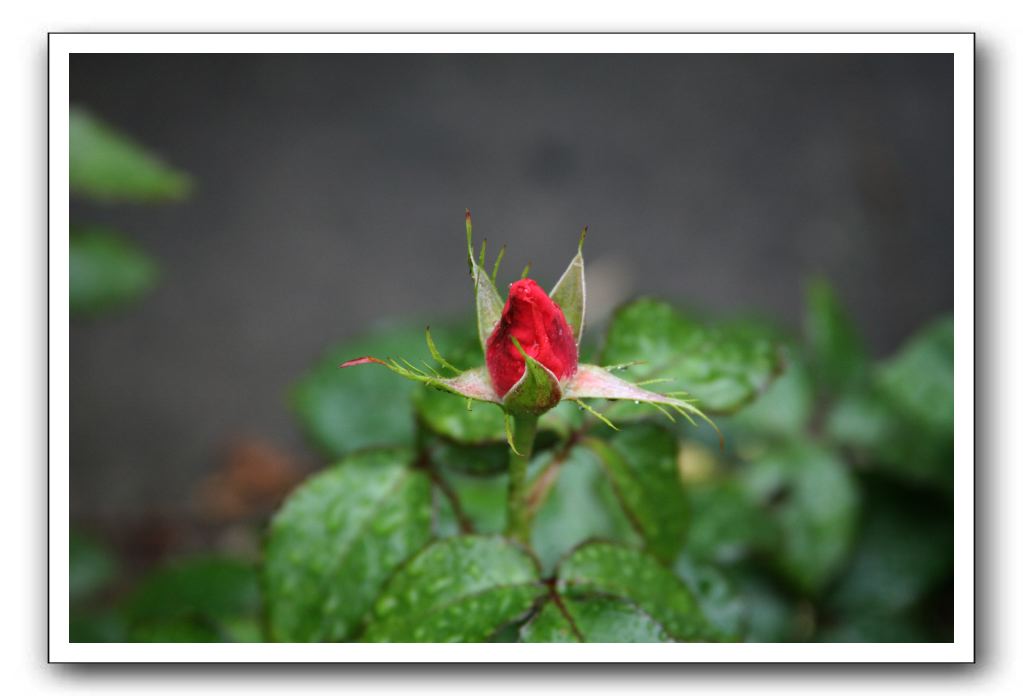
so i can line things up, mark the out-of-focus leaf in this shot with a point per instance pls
(175, 631)
(606, 569)
(338, 538)
(447, 415)
(837, 353)
(107, 271)
(642, 464)
(462, 589)
(771, 616)
(345, 410)
(902, 424)
(107, 166)
(593, 619)
(919, 380)
(580, 506)
(192, 601)
(92, 565)
(814, 501)
(727, 522)
(483, 499)
(98, 626)
(904, 551)
(784, 410)
(211, 588)
(875, 629)
(718, 599)
(722, 366)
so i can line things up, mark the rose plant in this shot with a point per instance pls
(555, 502)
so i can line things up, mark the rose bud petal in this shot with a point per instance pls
(539, 325)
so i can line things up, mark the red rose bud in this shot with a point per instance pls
(539, 325)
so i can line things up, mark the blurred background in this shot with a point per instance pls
(321, 194)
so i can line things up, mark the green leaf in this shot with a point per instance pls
(814, 501)
(919, 380)
(642, 464)
(593, 620)
(447, 415)
(483, 499)
(875, 629)
(92, 566)
(903, 552)
(718, 598)
(569, 292)
(107, 271)
(98, 626)
(579, 506)
(784, 410)
(338, 538)
(723, 366)
(345, 410)
(727, 522)
(607, 569)
(838, 355)
(462, 589)
(902, 423)
(107, 166)
(209, 587)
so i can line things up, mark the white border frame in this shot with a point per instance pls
(960, 45)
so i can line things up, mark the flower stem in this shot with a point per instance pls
(518, 509)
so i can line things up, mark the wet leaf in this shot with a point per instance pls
(462, 589)
(593, 619)
(723, 366)
(642, 465)
(337, 540)
(608, 569)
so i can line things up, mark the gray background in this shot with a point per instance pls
(331, 190)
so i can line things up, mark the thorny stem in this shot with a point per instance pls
(523, 434)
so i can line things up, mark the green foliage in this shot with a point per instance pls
(813, 500)
(338, 539)
(825, 517)
(92, 566)
(609, 570)
(456, 590)
(107, 270)
(723, 366)
(838, 355)
(642, 465)
(107, 166)
(346, 410)
(593, 619)
(198, 600)
(581, 505)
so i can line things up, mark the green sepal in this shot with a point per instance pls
(536, 392)
(488, 301)
(569, 292)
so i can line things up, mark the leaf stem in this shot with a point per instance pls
(523, 434)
